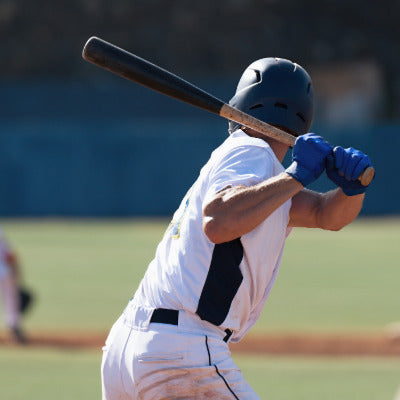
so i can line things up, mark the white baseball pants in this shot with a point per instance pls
(155, 361)
(10, 300)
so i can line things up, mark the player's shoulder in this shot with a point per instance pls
(245, 155)
(239, 138)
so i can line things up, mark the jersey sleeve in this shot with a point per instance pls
(244, 165)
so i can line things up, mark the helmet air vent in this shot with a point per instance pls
(281, 105)
(258, 75)
(301, 117)
(255, 106)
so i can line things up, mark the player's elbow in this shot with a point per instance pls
(331, 224)
(213, 225)
(220, 224)
(213, 230)
(334, 228)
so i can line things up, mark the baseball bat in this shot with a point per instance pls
(136, 69)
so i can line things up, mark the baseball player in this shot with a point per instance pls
(219, 258)
(10, 278)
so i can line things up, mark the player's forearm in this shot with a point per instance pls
(238, 210)
(337, 210)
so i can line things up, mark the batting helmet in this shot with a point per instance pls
(276, 91)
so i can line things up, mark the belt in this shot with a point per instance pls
(165, 316)
(171, 317)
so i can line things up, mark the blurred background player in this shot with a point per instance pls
(15, 299)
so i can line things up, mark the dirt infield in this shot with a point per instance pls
(289, 344)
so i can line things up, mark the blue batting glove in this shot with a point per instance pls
(309, 154)
(344, 166)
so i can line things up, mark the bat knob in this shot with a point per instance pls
(367, 176)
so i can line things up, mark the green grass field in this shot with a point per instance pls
(84, 272)
(338, 281)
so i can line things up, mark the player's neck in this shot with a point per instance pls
(278, 148)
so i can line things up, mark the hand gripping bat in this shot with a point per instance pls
(136, 69)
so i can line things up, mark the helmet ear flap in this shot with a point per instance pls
(276, 91)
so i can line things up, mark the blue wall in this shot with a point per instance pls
(76, 149)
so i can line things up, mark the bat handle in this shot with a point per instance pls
(366, 177)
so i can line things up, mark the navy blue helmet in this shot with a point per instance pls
(276, 91)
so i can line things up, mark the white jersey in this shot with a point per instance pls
(225, 284)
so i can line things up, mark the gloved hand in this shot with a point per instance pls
(309, 154)
(344, 166)
(25, 299)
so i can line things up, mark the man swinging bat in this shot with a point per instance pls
(219, 258)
